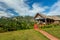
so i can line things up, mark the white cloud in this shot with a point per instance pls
(2, 13)
(22, 8)
(18, 5)
(37, 9)
(55, 9)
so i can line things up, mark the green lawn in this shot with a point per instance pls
(22, 35)
(54, 31)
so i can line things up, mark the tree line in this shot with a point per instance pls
(16, 23)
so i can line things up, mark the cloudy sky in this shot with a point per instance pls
(9, 8)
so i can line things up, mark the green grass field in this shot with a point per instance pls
(22, 35)
(55, 31)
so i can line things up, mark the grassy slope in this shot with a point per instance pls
(22, 35)
(54, 31)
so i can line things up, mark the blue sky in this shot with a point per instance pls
(9, 8)
(43, 2)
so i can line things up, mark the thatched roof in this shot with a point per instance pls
(50, 17)
(41, 15)
(54, 17)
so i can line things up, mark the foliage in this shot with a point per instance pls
(49, 26)
(16, 23)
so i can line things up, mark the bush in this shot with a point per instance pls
(50, 26)
(11, 24)
(47, 26)
(1, 30)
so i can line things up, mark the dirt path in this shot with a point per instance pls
(49, 36)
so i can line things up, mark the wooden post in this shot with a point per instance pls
(45, 21)
(49, 21)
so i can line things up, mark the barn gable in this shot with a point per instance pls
(39, 16)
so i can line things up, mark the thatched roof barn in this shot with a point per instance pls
(46, 19)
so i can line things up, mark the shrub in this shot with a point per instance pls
(11, 24)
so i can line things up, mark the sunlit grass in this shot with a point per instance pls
(55, 31)
(22, 35)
